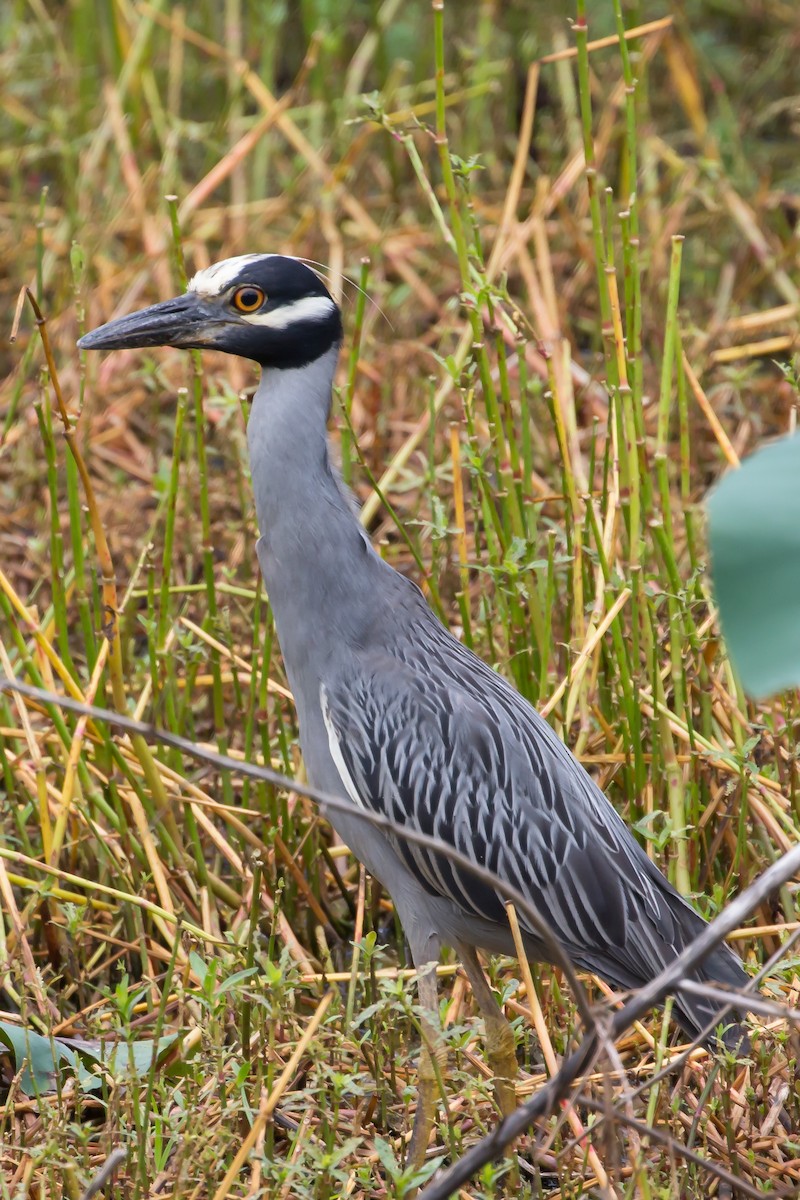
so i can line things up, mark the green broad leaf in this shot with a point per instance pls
(135, 1058)
(45, 1059)
(754, 536)
(42, 1058)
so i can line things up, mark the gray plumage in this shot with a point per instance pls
(414, 725)
(400, 716)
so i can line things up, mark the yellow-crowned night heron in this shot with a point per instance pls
(396, 713)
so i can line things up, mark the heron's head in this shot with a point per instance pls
(266, 307)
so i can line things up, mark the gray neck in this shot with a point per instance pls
(313, 552)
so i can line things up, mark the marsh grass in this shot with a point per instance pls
(576, 270)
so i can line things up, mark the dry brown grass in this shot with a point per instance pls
(102, 858)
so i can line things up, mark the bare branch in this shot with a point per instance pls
(546, 1101)
(755, 1004)
(678, 1060)
(222, 762)
(739, 1185)
(103, 1175)
(494, 1145)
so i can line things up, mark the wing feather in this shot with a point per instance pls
(478, 768)
(423, 731)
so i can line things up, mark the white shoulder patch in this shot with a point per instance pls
(215, 279)
(336, 751)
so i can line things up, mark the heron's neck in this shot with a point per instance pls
(308, 527)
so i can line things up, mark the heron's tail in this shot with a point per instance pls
(695, 1012)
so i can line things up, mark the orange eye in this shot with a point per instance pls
(248, 298)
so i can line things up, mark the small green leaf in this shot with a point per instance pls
(386, 1155)
(233, 980)
(199, 967)
(754, 536)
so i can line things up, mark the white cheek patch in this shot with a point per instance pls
(309, 308)
(219, 276)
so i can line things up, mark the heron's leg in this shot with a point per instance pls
(432, 1055)
(501, 1051)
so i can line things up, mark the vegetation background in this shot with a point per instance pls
(545, 369)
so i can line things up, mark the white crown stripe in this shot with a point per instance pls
(308, 308)
(215, 279)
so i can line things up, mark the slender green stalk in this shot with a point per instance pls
(670, 340)
(352, 371)
(169, 524)
(581, 29)
(631, 172)
(218, 703)
(57, 579)
(255, 904)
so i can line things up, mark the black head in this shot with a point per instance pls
(272, 309)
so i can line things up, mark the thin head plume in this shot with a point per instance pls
(326, 275)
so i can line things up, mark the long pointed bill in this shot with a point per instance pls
(187, 321)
